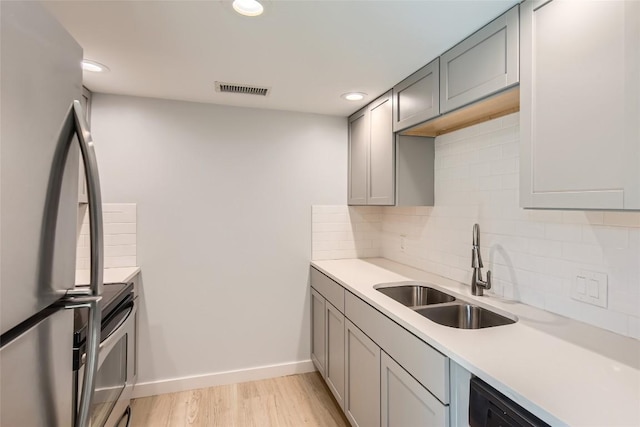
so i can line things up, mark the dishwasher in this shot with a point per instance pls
(490, 408)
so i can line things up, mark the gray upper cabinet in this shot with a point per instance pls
(381, 153)
(371, 154)
(416, 98)
(573, 155)
(482, 64)
(358, 157)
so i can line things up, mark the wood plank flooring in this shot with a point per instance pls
(295, 400)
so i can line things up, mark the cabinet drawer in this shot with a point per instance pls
(482, 64)
(333, 292)
(423, 362)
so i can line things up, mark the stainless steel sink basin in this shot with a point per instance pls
(415, 295)
(464, 316)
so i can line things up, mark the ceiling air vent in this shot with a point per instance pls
(239, 88)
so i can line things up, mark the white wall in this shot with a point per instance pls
(224, 199)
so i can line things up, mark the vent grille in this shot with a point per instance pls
(240, 88)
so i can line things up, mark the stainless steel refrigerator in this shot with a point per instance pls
(42, 134)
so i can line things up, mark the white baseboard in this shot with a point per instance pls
(221, 378)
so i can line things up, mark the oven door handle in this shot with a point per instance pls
(128, 307)
(118, 332)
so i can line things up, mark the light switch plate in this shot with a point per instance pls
(590, 287)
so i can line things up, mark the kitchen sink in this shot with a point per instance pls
(441, 307)
(415, 295)
(464, 316)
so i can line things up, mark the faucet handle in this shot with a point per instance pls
(488, 285)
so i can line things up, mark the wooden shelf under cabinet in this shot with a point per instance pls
(495, 106)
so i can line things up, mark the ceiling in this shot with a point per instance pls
(307, 52)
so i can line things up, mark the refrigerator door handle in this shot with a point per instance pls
(95, 202)
(75, 124)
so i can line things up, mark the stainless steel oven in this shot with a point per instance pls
(116, 374)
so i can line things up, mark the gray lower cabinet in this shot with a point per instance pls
(482, 64)
(417, 98)
(335, 352)
(362, 374)
(318, 330)
(371, 154)
(378, 372)
(572, 154)
(405, 402)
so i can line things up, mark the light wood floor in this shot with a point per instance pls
(296, 400)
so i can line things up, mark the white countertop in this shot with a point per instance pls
(111, 275)
(564, 371)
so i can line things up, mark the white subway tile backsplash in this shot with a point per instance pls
(340, 218)
(326, 226)
(119, 237)
(608, 237)
(510, 120)
(623, 219)
(583, 217)
(119, 261)
(545, 248)
(347, 232)
(120, 250)
(511, 149)
(503, 166)
(490, 153)
(510, 181)
(544, 216)
(120, 228)
(563, 232)
(586, 254)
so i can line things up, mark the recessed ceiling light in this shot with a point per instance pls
(93, 66)
(248, 7)
(354, 96)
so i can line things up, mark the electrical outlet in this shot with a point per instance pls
(590, 287)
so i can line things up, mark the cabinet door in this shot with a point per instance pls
(417, 98)
(404, 402)
(358, 157)
(318, 324)
(335, 353)
(362, 394)
(381, 153)
(482, 64)
(572, 154)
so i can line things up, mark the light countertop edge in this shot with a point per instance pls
(111, 275)
(555, 367)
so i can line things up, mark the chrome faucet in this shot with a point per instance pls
(477, 284)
